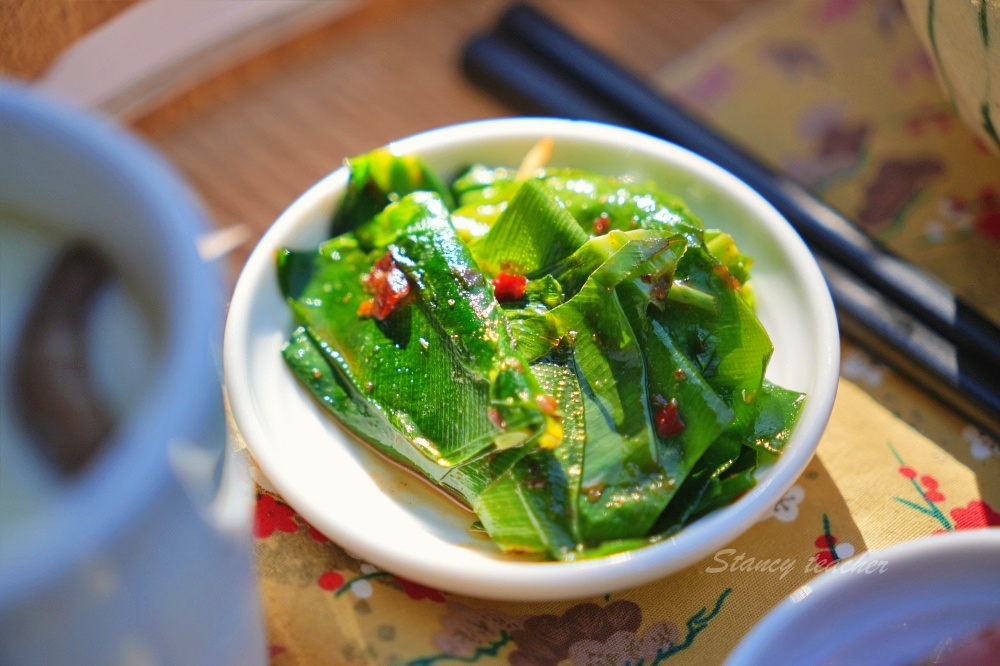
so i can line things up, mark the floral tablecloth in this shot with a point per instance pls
(840, 94)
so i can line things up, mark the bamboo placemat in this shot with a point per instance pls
(253, 139)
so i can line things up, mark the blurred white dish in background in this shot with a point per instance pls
(901, 605)
(389, 518)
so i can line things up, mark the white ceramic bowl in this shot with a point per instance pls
(127, 561)
(387, 517)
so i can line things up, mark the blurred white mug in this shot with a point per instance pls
(144, 557)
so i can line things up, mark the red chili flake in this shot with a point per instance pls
(723, 272)
(514, 364)
(507, 287)
(365, 309)
(389, 285)
(496, 419)
(601, 223)
(680, 375)
(667, 418)
(546, 403)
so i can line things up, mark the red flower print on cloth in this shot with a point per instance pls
(416, 591)
(927, 488)
(988, 212)
(831, 551)
(897, 182)
(825, 557)
(834, 10)
(271, 516)
(975, 514)
(316, 535)
(931, 119)
(931, 485)
(360, 585)
(706, 91)
(331, 581)
(959, 217)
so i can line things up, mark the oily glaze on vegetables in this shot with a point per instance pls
(571, 355)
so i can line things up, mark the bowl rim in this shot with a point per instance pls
(545, 580)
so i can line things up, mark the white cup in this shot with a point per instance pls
(145, 556)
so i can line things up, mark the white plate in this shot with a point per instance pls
(895, 606)
(393, 520)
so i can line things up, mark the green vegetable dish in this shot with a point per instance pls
(573, 356)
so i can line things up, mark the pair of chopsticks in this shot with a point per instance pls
(911, 320)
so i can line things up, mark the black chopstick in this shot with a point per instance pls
(950, 349)
(954, 375)
(644, 108)
(513, 76)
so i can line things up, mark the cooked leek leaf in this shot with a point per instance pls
(377, 179)
(533, 233)
(723, 247)
(535, 337)
(599, 203)
(532, 507)
(458, 300)
(343, 400)
(729, 346)
(624, 486)
(405, 366)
